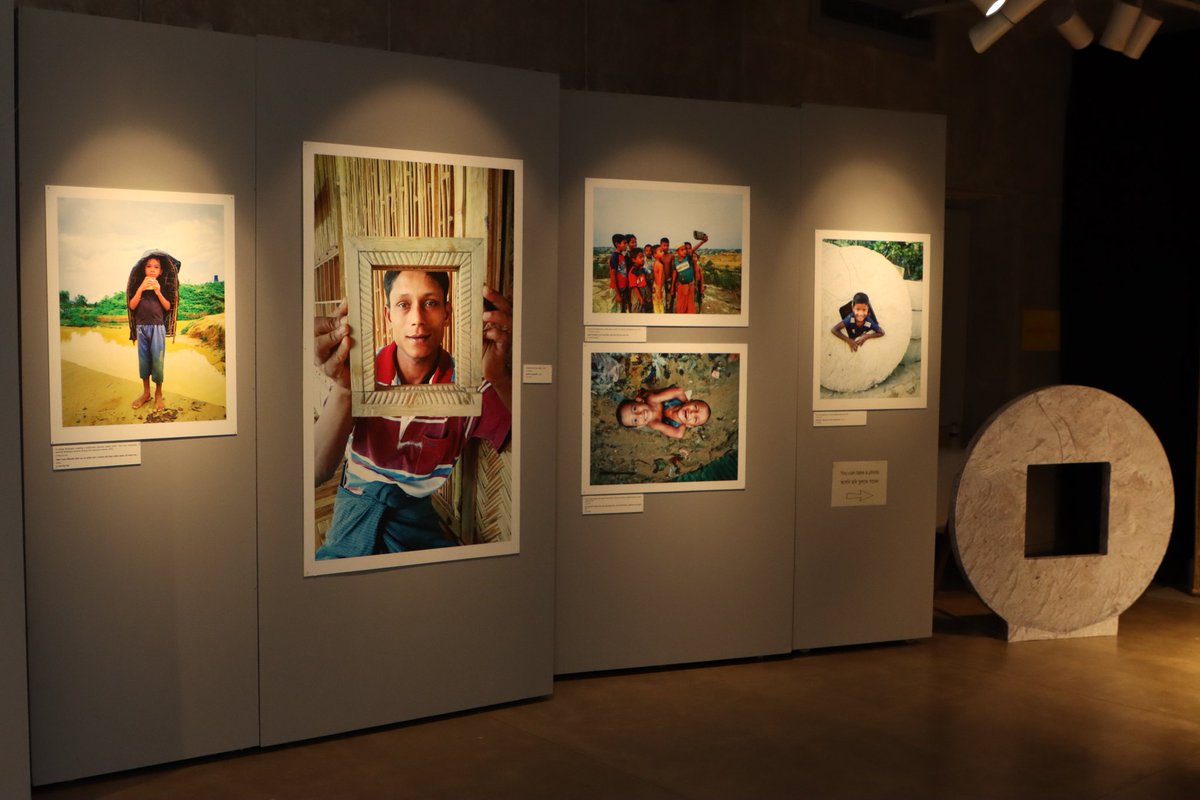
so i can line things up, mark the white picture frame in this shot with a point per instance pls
(892, 270)
(94, 238)
(476, 207)
(618, 459)
(677, 211)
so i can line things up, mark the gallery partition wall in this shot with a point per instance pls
(783, 563)
(14, 718)
(864, 573)
(695, 575)
(176, 608)
(141, 579)
(669, 479)
(346, 651)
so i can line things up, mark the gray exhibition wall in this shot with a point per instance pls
(141, 580)
(342, 652)
(865, 574)
(774, 567)
(155, 640)
(700, 575)
(14, 716)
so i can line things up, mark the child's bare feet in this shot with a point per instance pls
(159, 405)
(141, 401)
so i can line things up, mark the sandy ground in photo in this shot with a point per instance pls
(94, 398)
(102, 392)
(717, 301)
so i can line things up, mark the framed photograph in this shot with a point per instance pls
(142, 335)
(666, 254)
(412, 265)
(377, 260)
(870, 330)
(667, 418)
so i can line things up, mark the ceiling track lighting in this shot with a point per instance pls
(1129, 29)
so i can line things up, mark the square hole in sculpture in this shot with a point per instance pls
(1066, 509)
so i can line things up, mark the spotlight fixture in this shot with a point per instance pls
(1147, 25)
(1120, 25)
(1073, 28)
(983, 34)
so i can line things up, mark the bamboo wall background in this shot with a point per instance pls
(407, 199)
(328, 282)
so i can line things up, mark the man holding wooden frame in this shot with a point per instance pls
(393, 465)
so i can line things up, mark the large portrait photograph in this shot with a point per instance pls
(412, 264)
(870, 330)
(666, 253)
(140, 288)
(666, 419)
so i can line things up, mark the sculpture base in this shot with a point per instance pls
(1021, 633)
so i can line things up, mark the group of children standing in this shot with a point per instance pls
(655, 278)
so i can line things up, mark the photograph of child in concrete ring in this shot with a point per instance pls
(666, 253)
(869, 320)
(669, 419)
(408, 487)
(141, 312)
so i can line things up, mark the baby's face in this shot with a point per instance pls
(693, 413)
(636, 415)
(860, 312)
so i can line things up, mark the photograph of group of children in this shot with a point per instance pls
(141, 317)
(666, 253)
(870, 331)
(666, 418)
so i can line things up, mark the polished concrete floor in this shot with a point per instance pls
(961, 715)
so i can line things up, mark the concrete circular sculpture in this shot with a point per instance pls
(916, 297)
(1062, 596)
(844, 271)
